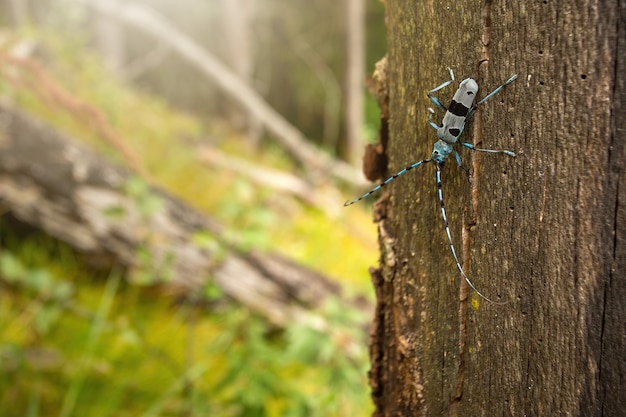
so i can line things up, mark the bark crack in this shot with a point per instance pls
(466, 235)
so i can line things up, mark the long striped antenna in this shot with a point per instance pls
(387, 181)
(497, 90)
(445, 223)
(472, 147)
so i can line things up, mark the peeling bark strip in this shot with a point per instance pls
(546, 230)
(75, 195)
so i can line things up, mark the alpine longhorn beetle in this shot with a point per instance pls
(458, 112)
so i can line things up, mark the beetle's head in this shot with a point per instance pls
(441, 151)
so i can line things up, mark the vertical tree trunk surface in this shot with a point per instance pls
(544, 232)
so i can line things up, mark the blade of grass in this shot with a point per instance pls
(97, 325)
(176, 387)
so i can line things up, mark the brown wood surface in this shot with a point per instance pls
(544, 232)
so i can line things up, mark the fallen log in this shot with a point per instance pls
(54, 184)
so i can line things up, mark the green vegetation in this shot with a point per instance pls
(75, 344)
(78, 342)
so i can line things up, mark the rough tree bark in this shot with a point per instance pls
(545, 232)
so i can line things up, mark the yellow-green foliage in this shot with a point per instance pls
(160, 138)
(75, 344)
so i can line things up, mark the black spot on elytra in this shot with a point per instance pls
(458, 109)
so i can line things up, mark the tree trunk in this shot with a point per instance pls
(544, 232)
(19, 12)
(110, 39)
(237, 32)
(354, 80)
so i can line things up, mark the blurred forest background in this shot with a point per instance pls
(173, 239)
